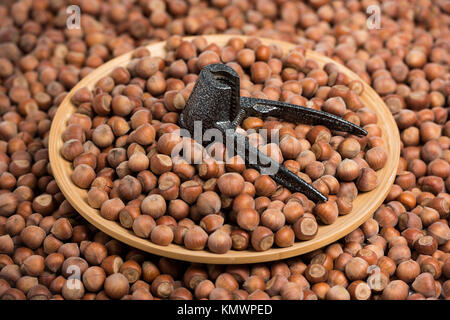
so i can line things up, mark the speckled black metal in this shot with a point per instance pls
(282, 176)
(212, 97)
(216, 103)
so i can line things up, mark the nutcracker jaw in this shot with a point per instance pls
(216, 103)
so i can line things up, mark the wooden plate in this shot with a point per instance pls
(363, 206)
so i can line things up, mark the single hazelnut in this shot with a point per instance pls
(264, 185)
(129, 188)
(248, 219)
(347, 170)
(425, 284)
(285, 237)
(211, 222)
(190, 190)
(273, 219)
(83, 175)
(95, 253)
(367, 180)
(154, 205)
(71, 149)
(349, 148)
(33, 265)
(230, 184)
(72, 289)
(292, 211)
(219, 242)
(131, 270)
(327, 211)
(322, 150)
(116, 286)
(240, 239)
(195, 238)
(94, 278)
(208, 203)
(103, 136)
(32, 236)
(262, 238)
(143, 226)
(305, 228)
(110, 209)
(161, 235)
(96, 197)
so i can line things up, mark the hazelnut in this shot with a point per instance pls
(408, 270)
(143, 226)
(219, 242)
(161, 235)
(144, 134)
(305, 228)
(248, 219)
(94, 278)
(240, 239)
(95, 253)
(54, 261)
(32, 236)
(264, 185)
(230, 184)
(111, 264)
(103, 136)
(71, 149)
(322, 150)
(291, 291)
(190, 190)
(285, 237)
(96, 197)
(203, 289)
(376, 157)
(273, 219)
(154, 205)
(292, 211)
(425, 284)
(440, 231)
(208, 203)
(33, 265)
(327, 211)
(116, 286)
(211, 222)
(356, 269)
(315, 170)
(347, 170)
(337, 293)
(160, 163)
(349, 148)
(111, 208)
(195, 238)
(73, 289)
(262, 238)
(131, 270)
(367, 180)
(83, 175)
(129, 188)
(162, 286)
(6, 244)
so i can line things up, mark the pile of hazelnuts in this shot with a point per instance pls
(122, 136)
